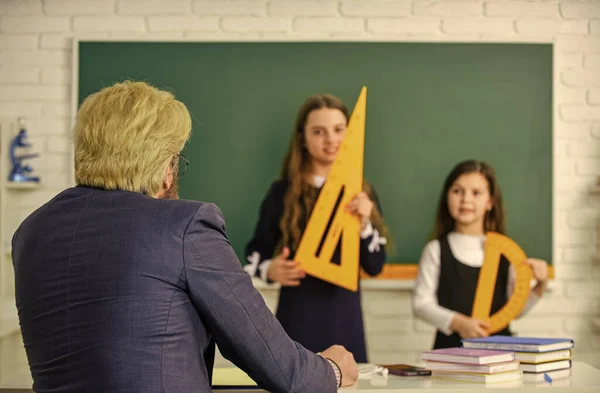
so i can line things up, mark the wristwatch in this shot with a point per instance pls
(336, 371)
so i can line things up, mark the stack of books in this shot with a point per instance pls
(541, 359)
(472, 365)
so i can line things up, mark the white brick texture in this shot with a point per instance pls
(404, 26)
(521, 9)
(59, 144)
(56, 41)
(569, 43)
(566, 60)
(21, 7)
(109, 24)
(34, 24)
(38, 58)
(580, 11)
(566, 95)
(47, 127)
(386, 9)
(497, 27)
(586, 219)
(596, 131)
(242, 24)
(56, 76)
(33, 93)
(595, 27)
(78, 7)
(59, 110)
(227, 7)
(182, 23)
(577, 255)
(18, 41)
(296, 8)
(154, 7)
(18, 75)
(593, 97)
(15, 109)
(329, 24)
(575, 290)
(592, 61)
(584, 149)
(579, 112)
(540, 27)
(588, 167)
(573, 131)
(447, 8)
(581, 78)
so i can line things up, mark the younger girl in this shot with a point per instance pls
(313, 312)
(470, 206)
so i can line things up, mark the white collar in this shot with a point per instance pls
(318, 181)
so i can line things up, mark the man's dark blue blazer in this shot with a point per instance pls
(121, 292)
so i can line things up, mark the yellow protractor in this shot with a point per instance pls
(497, 245)
(343, 183)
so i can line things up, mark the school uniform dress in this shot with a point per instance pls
(447, 281)
(316, 314)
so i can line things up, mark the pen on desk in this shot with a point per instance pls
(547, 378)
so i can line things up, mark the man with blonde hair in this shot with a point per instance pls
(121, 287)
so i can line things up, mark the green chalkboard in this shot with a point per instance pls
(429, 106)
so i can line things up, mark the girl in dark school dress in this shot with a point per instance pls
(313, 312)
(470, 205)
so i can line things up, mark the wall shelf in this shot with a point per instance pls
(22, 186)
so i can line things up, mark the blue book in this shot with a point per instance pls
(519, 344)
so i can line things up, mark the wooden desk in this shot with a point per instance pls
(584, 378)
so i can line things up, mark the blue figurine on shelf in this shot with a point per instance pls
(19, 172)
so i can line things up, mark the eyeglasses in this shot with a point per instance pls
(183, 164)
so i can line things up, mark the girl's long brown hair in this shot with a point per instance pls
(494, 219)
(301, 194)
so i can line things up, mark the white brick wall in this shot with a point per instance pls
(34, 24)
(447, 8)
(35, 77)
(114, 23)
(35, 58)
(520, 9)
(154, 7)
(539, 27)
(404, 25)
(295, 8)
(461, 25)
(329, 24)
(580, 11)
(19, 41)
(78, 7)
(157, 24)
(593, 97)
(12, 74)
(20, 7)
(226, 7)
(362, 9)
(595, 27)
(250, 24)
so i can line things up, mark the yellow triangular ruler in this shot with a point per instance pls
(344, 181)
(497, 245)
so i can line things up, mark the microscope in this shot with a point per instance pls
(20, 171)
